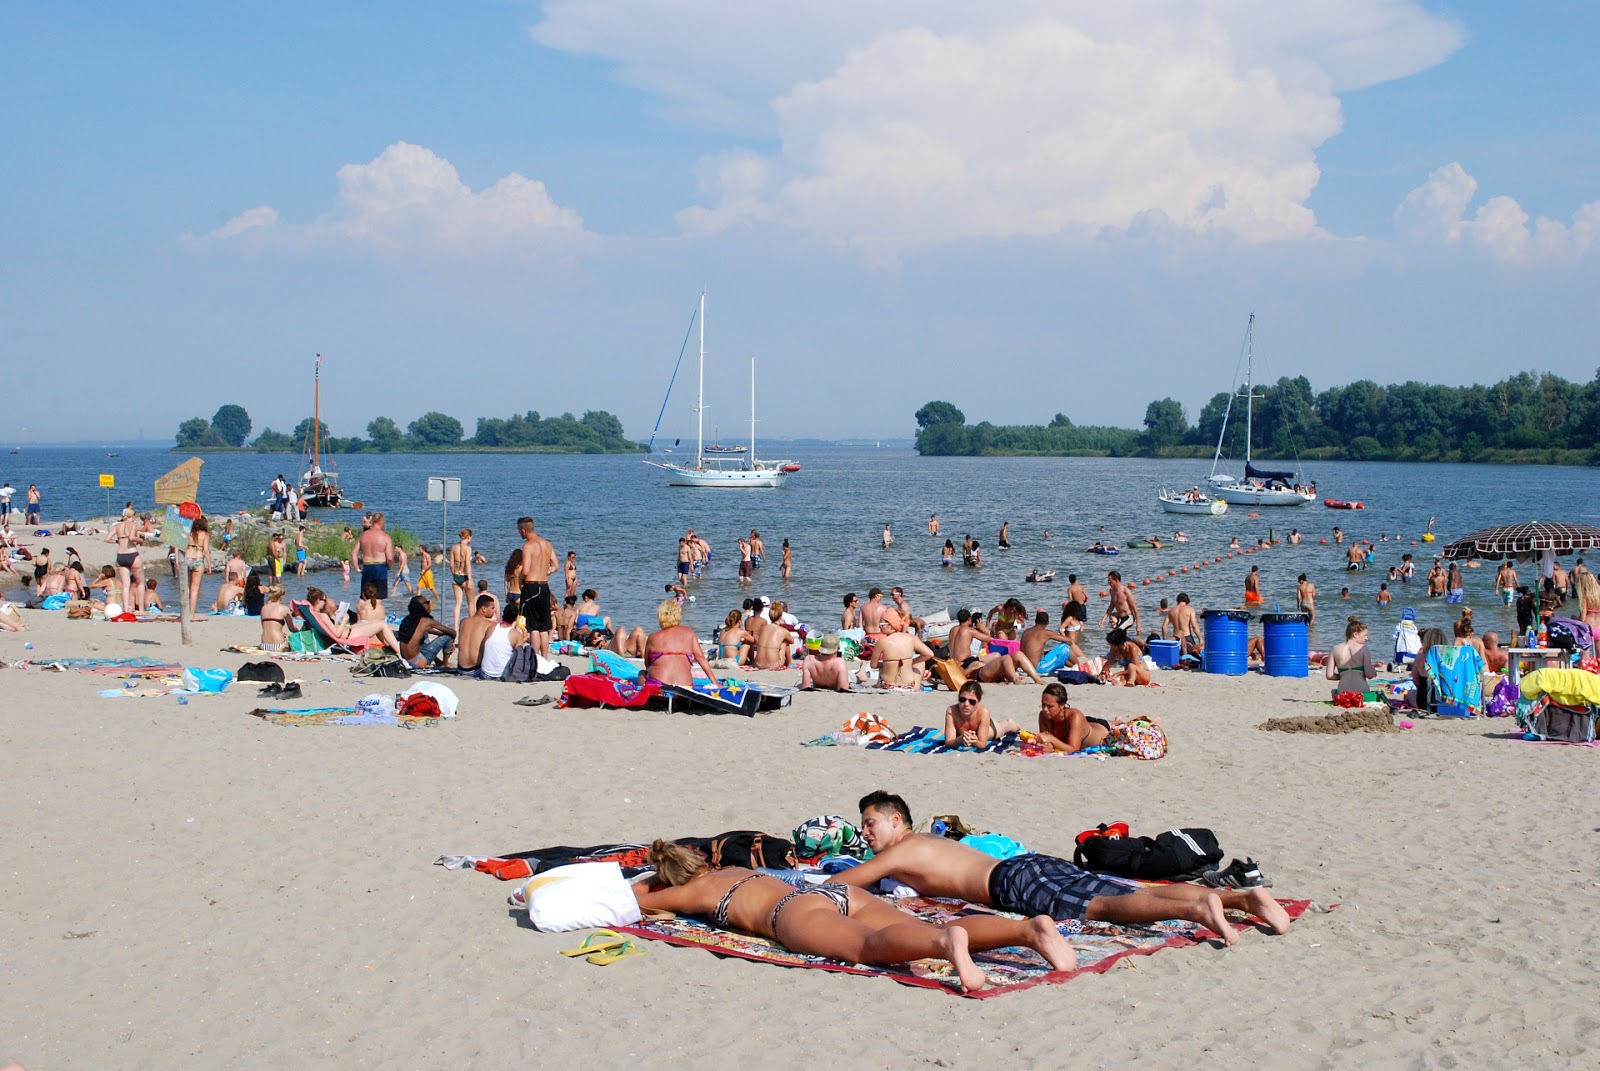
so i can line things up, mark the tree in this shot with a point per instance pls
(270, 441)
(604, 424)
(432, 430)
(936, 413)
(233, 424)
(301, 435)
(197, 433)
(385, 434)
(1363, 447)
(1165, 424)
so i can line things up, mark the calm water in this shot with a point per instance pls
(623, 521)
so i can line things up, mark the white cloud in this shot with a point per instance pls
(1436, 211)
(410, 198)
(905, 123)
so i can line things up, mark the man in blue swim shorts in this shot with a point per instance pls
(1038, 884)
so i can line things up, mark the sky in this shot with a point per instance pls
(1042, 206)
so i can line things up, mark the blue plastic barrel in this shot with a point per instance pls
(1227, 641)
(1165, 653)
(1284, 636)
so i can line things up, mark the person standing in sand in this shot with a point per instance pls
(277, 549)
(538, 562)
(460, 562)
(300, 551)
(372, 553)
(1038, 885)
(197, 555)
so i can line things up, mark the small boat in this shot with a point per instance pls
(1101, 548)
(1334, 503)
(793, 466)
(1258, 487)
(318, 486)
(1040, 577)
(1193, 501)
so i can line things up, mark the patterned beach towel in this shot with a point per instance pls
(1099, 946)
(338, 716)
(923, 740)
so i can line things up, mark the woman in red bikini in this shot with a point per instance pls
(671, 652)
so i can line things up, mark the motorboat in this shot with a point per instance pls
(1193, 501)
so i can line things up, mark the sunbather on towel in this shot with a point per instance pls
(1037, 884)
(341, 629)
(967, 720)
(835, 920)
(1066, 728)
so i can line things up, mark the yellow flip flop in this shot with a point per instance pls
(598, 941)
(624, 951)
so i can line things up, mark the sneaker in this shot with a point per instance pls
(272, 690)
(1236, 875)
(290, 691)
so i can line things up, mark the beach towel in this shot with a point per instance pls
(1099, 947)
(588, 690)
(613, 665)
(924, 740)
(339, 716)
(730, 697)
(1055, 658)
(1455, 677)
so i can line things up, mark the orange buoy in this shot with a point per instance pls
(1217, 558)
(1413, 542)
(1252, 514)
(1324, 542)
(1172, 572)
(1146, 581)
(1102, 594)
(1185, 569)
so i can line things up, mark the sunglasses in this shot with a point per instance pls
(966, 699)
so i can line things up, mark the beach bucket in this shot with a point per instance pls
(1284, 636)
(1164, 653)
(1227, 641)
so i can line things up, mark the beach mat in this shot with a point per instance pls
(732, 697)
(923, 740)
(336, 716)
(1099, 946)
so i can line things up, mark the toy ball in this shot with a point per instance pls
(691, 598)
(27, 647)
(1407, 725)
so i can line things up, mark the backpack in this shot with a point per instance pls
(829, 834)
(745, 848)
(1176, 855)
(1140, 737)
(260, 671)
(521, 668)
(380, 663)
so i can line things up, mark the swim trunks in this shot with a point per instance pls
(1044, 885)
(744, 570)
(376, 574)
(535, 605)
(683, 568)
(300, 554)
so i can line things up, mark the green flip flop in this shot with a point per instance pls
(596, 942)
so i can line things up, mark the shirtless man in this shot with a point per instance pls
(1355, 558)
(371, 555)
(475, 628)
(1066, 728)
(847, 620)
(1494, 656)
(1306, 594)
(1184, 628)
(1033, 639)
(460, 562)
(1034, 884)
(1076, 592)
(570, 571)
(1004, 542)
(538, 562)
(933, 524)
(685, 563)
(968, 723)
(872, 614)
(746, 561)
(888, 538)
(274, 621)
(969, 628)
(1436, 581)
(775, 644)
(906, 616)
(901, 659)
(758, 549)
(1252, 586)
(236, 570)
(825, 669)
(300, 551)
(1505, 582)
(402, 571)
(1122, 611)
(1338, 535)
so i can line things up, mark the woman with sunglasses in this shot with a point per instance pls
(967, 722)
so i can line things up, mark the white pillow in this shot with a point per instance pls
(580, 896)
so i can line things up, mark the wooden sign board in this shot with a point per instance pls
(180, 485)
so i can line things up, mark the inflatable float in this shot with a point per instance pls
(1334, 503)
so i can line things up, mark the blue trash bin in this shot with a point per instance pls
(1284, 636)
(1227, 641)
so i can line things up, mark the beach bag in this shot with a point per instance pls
(1139, 737)
(306, 641)
(580, 896)
(1176, 855)
(950, 673)
(1503, 703)
(522, 667)
(80, 611)
(206, 680)
(1571, 635)
(744, 848)
(380, 662)
(260, 671)
(829, 834)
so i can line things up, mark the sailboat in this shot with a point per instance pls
(721, 471)
(1259, 487)
(318, 487)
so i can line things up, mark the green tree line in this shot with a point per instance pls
(596, 432)
(1525, 417)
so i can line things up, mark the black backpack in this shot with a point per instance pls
(1176, 855)
(270, 672)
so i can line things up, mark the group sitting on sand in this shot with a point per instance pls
(839, 919)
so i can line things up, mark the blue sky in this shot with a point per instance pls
(1053, 205)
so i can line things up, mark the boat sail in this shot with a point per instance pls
(721, 471)
(1259, 487)
(318, 487)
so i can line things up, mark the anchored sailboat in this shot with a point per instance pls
(721, 471)
(317, 486)
(1259, 487)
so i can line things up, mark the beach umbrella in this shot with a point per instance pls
(1531, 540)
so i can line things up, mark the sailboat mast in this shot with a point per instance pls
(752, 413)
(700, 401)
(316, 417)
(1249, 391)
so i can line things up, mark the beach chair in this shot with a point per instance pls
(1559, 705)
(1407, 640)
(1455, 681)
(320, 627)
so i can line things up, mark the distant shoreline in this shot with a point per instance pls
(426, 450)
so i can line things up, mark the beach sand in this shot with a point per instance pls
(187, 886)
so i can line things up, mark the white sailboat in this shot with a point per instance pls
(1259, 487)
(1193, 501)
(723, 471)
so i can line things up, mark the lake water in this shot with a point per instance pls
(623, 521)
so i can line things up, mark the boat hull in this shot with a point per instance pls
(1245, 496)
(1214, 508)
(729, 478)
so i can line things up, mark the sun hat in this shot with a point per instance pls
(830, 644)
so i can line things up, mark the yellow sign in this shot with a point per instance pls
(180, 485)
(107, 480)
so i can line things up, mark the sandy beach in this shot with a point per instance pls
(188, 886)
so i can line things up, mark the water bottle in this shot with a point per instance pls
(1530, 639)
(938, 827)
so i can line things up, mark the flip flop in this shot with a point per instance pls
(626, 950)
(596, 942)
(530, 701)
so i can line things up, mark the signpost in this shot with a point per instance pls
(444, 490)
(176, 488)
(108, 481)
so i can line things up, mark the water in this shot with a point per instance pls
(623, 521)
